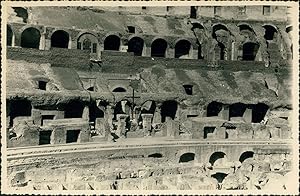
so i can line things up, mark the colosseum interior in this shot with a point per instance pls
(149, 98)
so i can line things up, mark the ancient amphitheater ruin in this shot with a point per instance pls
(149, 98)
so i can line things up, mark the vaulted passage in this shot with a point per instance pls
(9, 36)
(219, 176)
(246, 155)
(216, 156)
(182, 49)
(112, 42)
(249, 51)
(136, 46)
(168, 109)
(119, 90)
(30, 38)
(270, 32)
(60, 39)
(158, 48)
(88, 42)
(74, 109)
(259, 112)
(155, 155)
(18, 108)
(214, 108)
(220, 51)
(187, 157)
(95, 112)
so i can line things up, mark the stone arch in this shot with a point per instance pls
(271, 32)
(155, 155)
(245, 26)
(216, 156)
(30, 38)
(246, 155)
(9, 36)
(136, 45)
(183, 49)
(159, 48)
(213, 108)
(88, 41)
(250, 50)
(119, 90)
(60, 39)
(168, 109)
(112, 42)
(187, 157)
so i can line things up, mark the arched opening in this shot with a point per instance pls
(187, 157)
(288, 29)
(9, 36)
(112, 42)
(21, 12)
(159, 48)
(182, 49)
(30, 38)
(94, 113)
(168, 109)
(74, 109)
(219, 27)
(219, 176)
(188, 88)
(193, 13)
(119, 90)
(122, 107)
(216, 156)
(249, 51)
(246, 155)
(136, 46)
(88, 42)
(155, 155)
(259, 112)
(270, 32)
(237, 110)
(148, 107)
(244, 27)
(18, 108)
(60, 39)
(213, 109)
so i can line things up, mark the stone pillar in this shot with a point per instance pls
(147, 51)
(85, 113)
(170, 53)
(121, 130)
(100, 126)
(248, 115)
(157, 115)
(233, 51)
(224, 114)
(147, 118)
(70, 43)
(194, 54)
(13, 40)
(42, 42)
(59, 135)
(47, 44)
(170, 130)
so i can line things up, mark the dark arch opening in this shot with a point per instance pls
(182, 48)
(155, 155)
(188, 89)
(18, 108)
(269, 32)
(30, 38)
(246, 155)
(74, 109)
(168, 109)
(21, 12)
(249, 51)
(187, 157)
(244, 27)
(193, 12)
(219, 176)
(122, 110)
(136, 46)
(289, 29)
(259, 112)
(148, 108)
(86, 44)
(60, 39)
(218, 27)
(9, 36)
(214, 108)
(119, 90)
(215, 156)
(237, 110)
(95, 112)
(159, 48)
(220, 51)
(112, 42)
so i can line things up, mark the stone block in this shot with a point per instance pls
(59, 135)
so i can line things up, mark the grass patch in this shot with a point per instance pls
(158, 71)
(229, 78)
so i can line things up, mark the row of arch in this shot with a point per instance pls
(31, 37)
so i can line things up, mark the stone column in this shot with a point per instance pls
(157, 115)
(121, 130)
(42, 42)
(224, 114)
(194, 54)
(147, 51)
(248, 115)
(70, 43)
(170, 53)
(147, 118)
(85, 113)
(233, 51)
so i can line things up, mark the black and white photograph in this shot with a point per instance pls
(157, 97)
